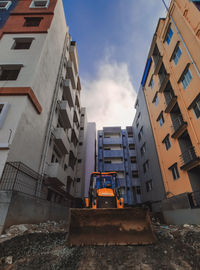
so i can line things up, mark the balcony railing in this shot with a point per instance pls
(164, 77)
(158, 63)
(170, 100)
(179, 126)
(113, 153)
(68, 92)
(189, 159)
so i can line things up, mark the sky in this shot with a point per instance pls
(113, 39)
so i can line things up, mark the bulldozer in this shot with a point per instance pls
(105, 220)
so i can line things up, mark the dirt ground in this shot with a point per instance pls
(44, 247)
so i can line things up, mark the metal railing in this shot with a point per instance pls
(169, 97)
(178, 122)
(19, 177)
(188, 156)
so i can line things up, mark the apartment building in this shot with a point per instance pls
(171, 88)
(116, 152)
(151, 182)
(40, 110)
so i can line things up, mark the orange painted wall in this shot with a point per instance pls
(189, 29)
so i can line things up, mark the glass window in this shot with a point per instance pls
(177, 55)
(32, 21)
(5, 4)
(22, 43)
(9, 73)
(39, 4)
(156, 100)
(167, 142)
(196, 108)
(186, 78)
(175, 172)
(138, 190)
(161, 119)
(152, 83)
(169, 35)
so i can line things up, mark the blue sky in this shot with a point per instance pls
(113, 38)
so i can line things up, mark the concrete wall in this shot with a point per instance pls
(90, 164)
(182, 216)
(154, 172)
(19, 208)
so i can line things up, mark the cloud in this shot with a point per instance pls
(109, 97)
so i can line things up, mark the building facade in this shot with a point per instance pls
(40, 110)
(171, 88)
(116, 152)
(152, 187)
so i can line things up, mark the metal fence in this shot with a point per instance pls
(19, 177)
(188, 156)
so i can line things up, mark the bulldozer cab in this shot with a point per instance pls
(103, 180)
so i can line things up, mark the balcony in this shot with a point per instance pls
(132, 153)
(134, 167)
(113, 167)
(71, 74)
(73, 149)
(74, 55)
(76, 115)
(77, 99)
(76, 131)
(170, 99)
(56, 174)
(61, 140)
(179, 126)
(189, 159)
(158, 63)
(112, 141)
(70, 172)
(113, 153)
(122, 182)
(164, 78)
(66, 114)
(68, 92)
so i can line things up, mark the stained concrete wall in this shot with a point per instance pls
(182, 216)
(19, 208)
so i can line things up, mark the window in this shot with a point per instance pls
(22, 43)
(10, 72)
(143, 149)
(78, 180)
(3, 112)
(174, 171)
(151, 83)
(161, 119)
(132, 146)
(81, 128)
(32, 21)
(137, 124)
(135, 174)
(107, 161)
(138, 190)
(146, 166)
(169, 35)
(167, 142)
(107, 148)
(196, 108)
(82, 144)
(39, 4)
(130, 135)
(177, 55)
(156, 100)
(149, 185)
(79, 160)
(186, 78)
(5, 4)
(133, 159)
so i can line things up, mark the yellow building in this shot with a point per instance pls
(172, 92)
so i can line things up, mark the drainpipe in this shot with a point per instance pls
(50, 120)
(186, 48)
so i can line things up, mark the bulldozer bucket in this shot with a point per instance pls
(105, 226)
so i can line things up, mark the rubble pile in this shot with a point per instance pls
(44, 247)
(47, 227)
